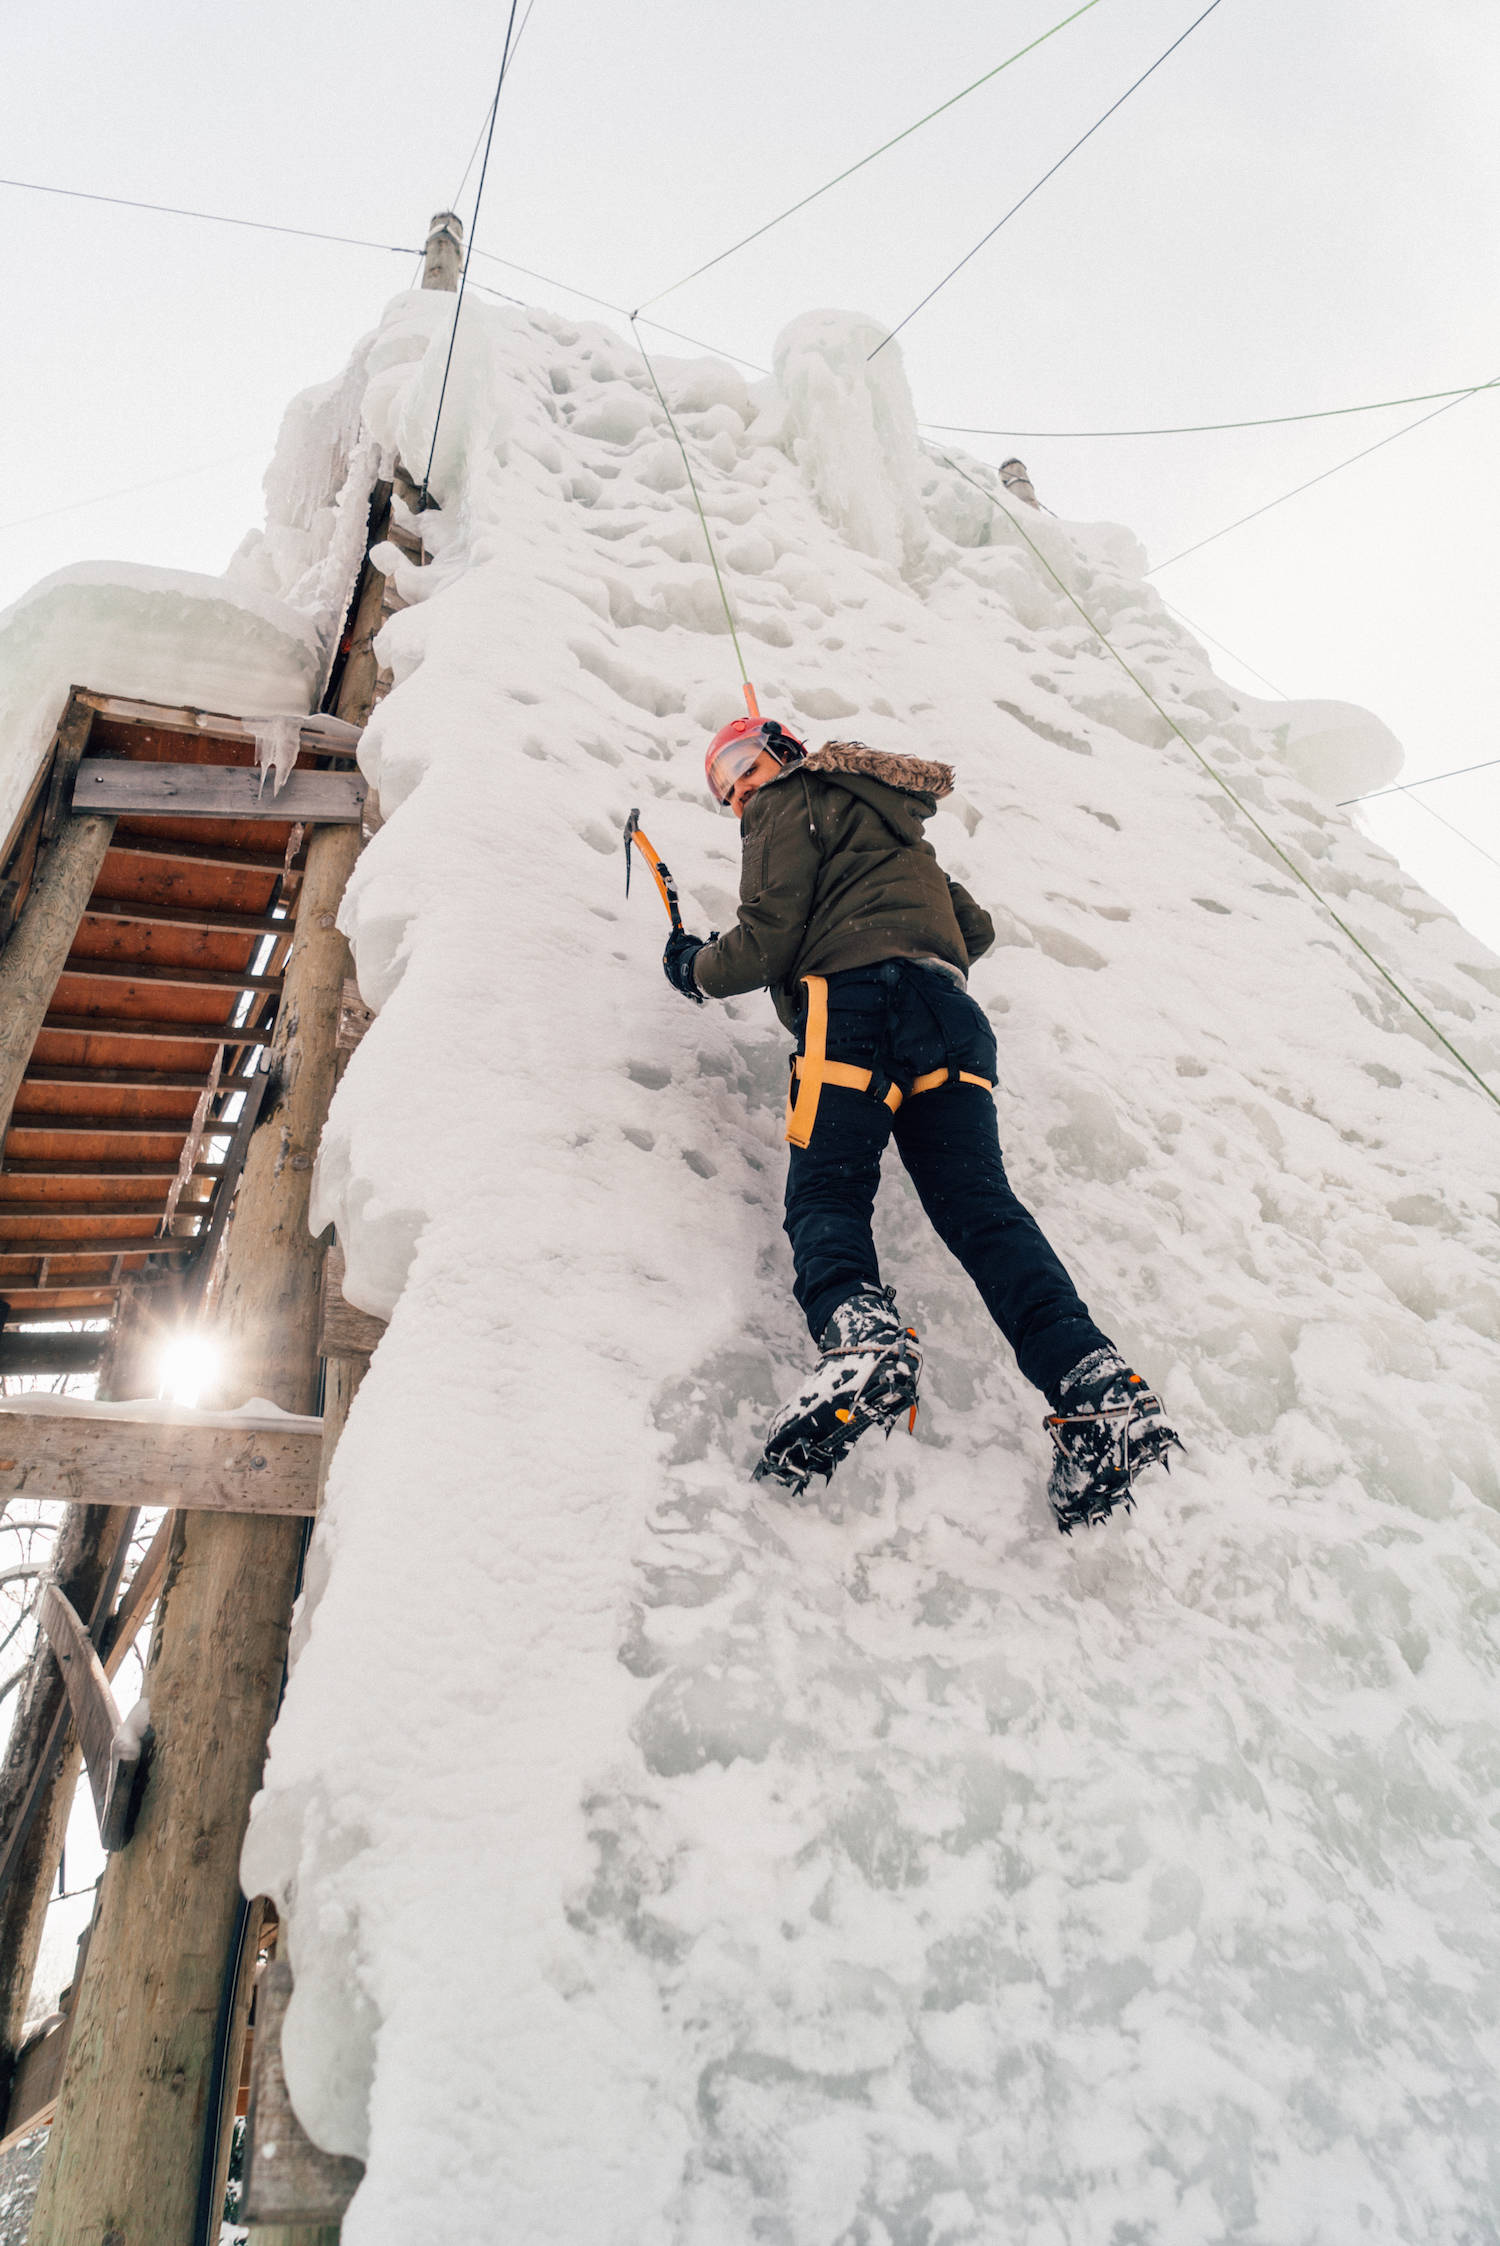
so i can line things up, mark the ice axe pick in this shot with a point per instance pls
(660, 872)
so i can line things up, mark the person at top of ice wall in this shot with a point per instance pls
(864, 943)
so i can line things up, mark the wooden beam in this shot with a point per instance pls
(150, 914)
(39, 943)
(112, 1758)
(49, 1123)
(288, 2179)
(185, 975)
(106, 1244)
(64, 1211)
(140, 1079)
(137, 845)
(346, 1332)
(68, 1457)
(140, 1596)
(50, 1353)
(107, 1167)
(110, 1025)
(215, 791)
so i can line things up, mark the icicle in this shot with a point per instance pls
(277, 741)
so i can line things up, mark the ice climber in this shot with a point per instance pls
(847, 918)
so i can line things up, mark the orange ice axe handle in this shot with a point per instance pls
(660, 872)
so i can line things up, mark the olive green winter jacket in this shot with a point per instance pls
(836, 874)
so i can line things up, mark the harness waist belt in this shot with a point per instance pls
(813, 1069)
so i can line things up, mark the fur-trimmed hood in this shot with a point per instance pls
(913, 773)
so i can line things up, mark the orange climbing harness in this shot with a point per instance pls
(812, 1069)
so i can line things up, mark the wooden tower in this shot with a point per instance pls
(176, 1004)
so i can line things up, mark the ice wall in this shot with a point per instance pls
(667, 1865)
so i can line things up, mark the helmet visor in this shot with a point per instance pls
(733, 761)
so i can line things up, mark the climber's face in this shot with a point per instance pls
(764, 768)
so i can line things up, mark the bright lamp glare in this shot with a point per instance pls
(188, 1365)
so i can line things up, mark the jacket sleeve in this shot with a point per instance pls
(778, 876)
(974, 923)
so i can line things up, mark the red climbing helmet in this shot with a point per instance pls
(735, 747)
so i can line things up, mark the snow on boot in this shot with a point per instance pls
(866, 1377)
(1108, 1425)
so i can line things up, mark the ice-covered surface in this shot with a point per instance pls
(667, 1865)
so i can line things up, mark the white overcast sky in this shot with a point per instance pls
(1297, 211)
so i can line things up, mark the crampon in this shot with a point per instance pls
(866, 1377)
(1109, 1428)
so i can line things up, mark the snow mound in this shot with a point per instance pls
(1335, 747)
(667, 1865)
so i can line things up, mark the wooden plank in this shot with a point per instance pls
(322, 733)
(288, 2179)
(72, 739)
(72, 1459)
(151, 914)
(114, 969)
(112, 1761)
(215, 791)
(346, 1332)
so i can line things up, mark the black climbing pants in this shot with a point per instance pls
(902, 1021)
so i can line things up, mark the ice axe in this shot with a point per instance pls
(660, 873)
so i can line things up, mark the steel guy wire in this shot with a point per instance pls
(437, 418)
(606, 305)
(1057, 167)
(850, 170)
(1404, 787)
(1205, 428)
(219, 218)
(1363, 454)
(1219, 780)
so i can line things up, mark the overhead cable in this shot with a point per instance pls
(1297, 489)
(463, 277)
(125, 491)
(1041, 183)
(219, 218)
(1206, 428)
(1219, 780)
(839, 177)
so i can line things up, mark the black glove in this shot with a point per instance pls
(677, 962)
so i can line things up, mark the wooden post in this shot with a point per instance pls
(40, 942)
(1014, 477)
(444, 252)
(133, 2141)
(40, 1771)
